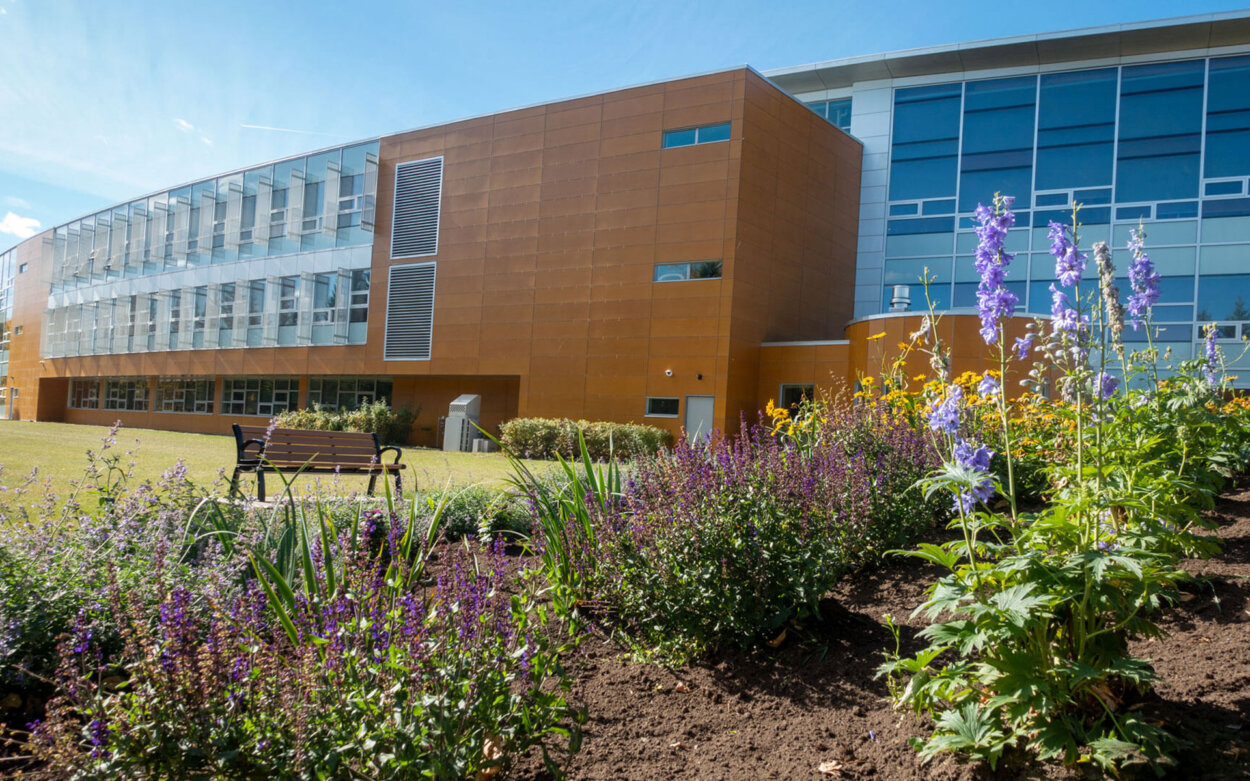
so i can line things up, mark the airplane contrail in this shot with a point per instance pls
(286, 130)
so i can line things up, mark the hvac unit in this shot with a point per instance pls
(460, 428)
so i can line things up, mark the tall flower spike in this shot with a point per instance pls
(1211, 357)
(1142, 278)
(1110, 294)
(994, 301)
(1069, 264)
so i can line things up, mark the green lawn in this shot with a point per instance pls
(58, 451)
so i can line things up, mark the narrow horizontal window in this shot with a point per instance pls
(659, 407)
(690, 136)
(680, 272)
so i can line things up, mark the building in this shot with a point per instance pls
(677, 253)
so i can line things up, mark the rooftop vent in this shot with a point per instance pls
(901, 300)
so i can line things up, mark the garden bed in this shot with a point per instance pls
(782, 714)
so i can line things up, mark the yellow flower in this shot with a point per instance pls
(876, 336)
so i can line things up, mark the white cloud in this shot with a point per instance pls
(21, 227)
(16, 203)
(207, 141)
(3, 10)
(183, 125)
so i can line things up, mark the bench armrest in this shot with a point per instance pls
(260, 450)
(396, 450)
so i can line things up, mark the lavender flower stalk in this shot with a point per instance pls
(1143, 279)
(994, 301)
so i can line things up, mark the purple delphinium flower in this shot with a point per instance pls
(994, 301)
(1107, 385)
(1023, 345)
(1143, 279)
(1063, 317)
(1210, 356)
(988, 386)
(1069, 264)
(976, 459)
(944, 415)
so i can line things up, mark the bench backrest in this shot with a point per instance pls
(291, 447)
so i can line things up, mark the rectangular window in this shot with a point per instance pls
(925, 142)
(680, 272)
(178, 395)
(997, 152)
(84, 394)
(17, 331)
(792, 396)
(690, 136)
(347, 394)
(288, 301)
(1076, 129)
(325, 297)
(175, 317)
(22, 268)
(225, 312)
(266, 396)
(1228, 118)
(255, 303)
(659, 407)
(1160, 131)
(360, 296)
(129, 395)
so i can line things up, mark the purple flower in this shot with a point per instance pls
(994, 301)
(988, 386)
(1211, 357)
(1143, 279)
(944, 415)
(1069, 264)
(1107, 385)
(976, 459)
(1063, 317)
(1023, 345)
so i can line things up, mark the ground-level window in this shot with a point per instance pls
(348, 393)
(259, 395)
(178, 395)
(84, 394)
(129, 395)
(793, 395)
(680, 272)
(660, 407)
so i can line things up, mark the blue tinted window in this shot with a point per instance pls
(707, 135)
(966, 294)
(925, 142)
(1174, 290)
(1133, 213)
(944, 206)
(1224, 297)
(1160, 131)
(839, 113)
(1099, 216)
(1162, 333)
(1222, 188)
(1228, 118)
(1176, 211)
(1076, 129)
(1091, 197)
(930, 225)
(1053, 199)
(903, 209)
(1227, 207)
(998, 140)
(1039, 296)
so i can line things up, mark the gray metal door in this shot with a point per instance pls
(700, 420)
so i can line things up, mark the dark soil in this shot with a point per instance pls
(782, 714)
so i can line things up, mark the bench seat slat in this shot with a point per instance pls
(292, 450)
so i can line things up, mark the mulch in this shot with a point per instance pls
(814, 702)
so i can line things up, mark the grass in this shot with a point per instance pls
(58, 452)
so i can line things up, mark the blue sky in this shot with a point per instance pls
(101, 102)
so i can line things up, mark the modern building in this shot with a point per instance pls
(677, 253)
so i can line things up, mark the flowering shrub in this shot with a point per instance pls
(730, 543)
(1038, 608)
(391, 425)
(549, 437)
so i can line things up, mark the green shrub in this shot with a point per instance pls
(548, 437)
(481, 511)
(391, 425)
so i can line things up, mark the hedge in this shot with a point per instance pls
(545, 437)
(391, 426)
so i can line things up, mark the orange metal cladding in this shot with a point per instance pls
(872, 344)
(552, 220)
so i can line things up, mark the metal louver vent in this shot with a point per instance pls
(409, 312)
(418, 193)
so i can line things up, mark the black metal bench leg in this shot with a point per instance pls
(399, 484)
(234, 482)
(373, 481)
(260, 485)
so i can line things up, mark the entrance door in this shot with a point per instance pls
(699, 417)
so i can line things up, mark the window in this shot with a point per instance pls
(255, 303)
(838, 112)
(1223, 297)
(351, 200)
(265, 396)
(175, 317)
(679, 272)
(17, 331)
(997, 151)
(84, 394)
(706, 134)
(348, 394)
(225, 311)
(199, 313)
(659, 407)
(288, 301)
(177, 395)
(312, 206)
(793, 395)
(1160, 131)
(1228, 118)
(131, 395)
(360, 296)
(925, 142)
(22, 268)
(1076, 129)
(325, 297)
(277, 213)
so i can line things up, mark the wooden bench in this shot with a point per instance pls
(290, 450)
